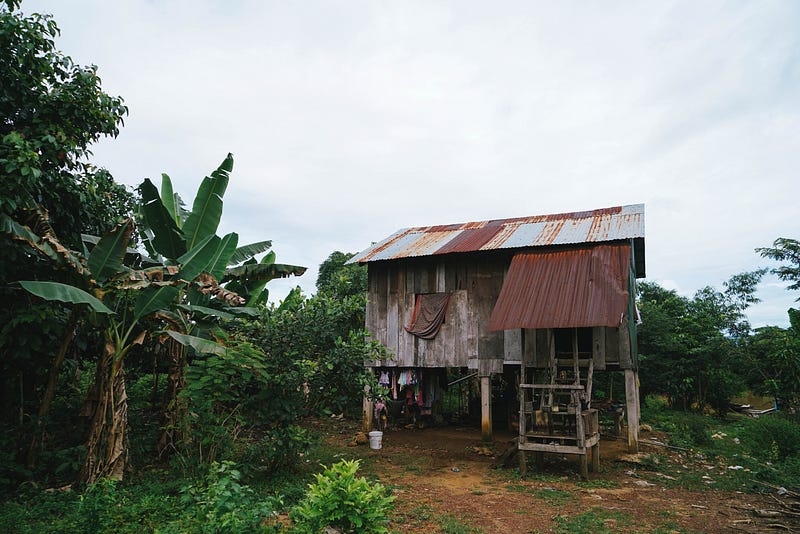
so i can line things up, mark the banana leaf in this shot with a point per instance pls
(199, 344)
(204, 310)
(243, 310)
(153, 298)
(47, 246)
(246, 252)
(262, 272)
(64, 293)
(207, 207)
(167, 238)
(222, 257)
(106, 258)
(199, 258)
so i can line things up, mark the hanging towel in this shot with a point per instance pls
(428, 314)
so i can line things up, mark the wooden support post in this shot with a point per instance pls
(486, 407)
(523, 462)
(584, 466)
(596, 458)
(367, 411)
(632, 408)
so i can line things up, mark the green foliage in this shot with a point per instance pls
(320, 340)
(222, 503)
(785, 250)
(773, 359)
(693, 350)
(52, 110)
(340, 500)
(237, 392)
(687, 430)
(339, 280)
(771, 438)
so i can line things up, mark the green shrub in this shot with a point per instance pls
(771, 438)
(338, 499)
(221, 503)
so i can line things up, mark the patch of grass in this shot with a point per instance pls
(595, 521)
(453, 525)
(552, 496)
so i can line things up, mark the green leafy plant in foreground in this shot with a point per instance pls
(339, 499)
(221, 503)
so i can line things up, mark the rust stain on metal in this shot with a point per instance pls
(601, 225)
(551, 230)
(470, 239)
(424, 245)
(579, 287)
(377, 249)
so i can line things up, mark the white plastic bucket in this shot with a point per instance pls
(375, 438)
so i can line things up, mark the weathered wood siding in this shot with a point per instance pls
(464, 339)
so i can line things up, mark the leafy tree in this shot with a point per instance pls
(338, 279)
(787, 250)
(692, 350)
(774, 361)
(51, 111)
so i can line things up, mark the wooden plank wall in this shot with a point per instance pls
(464, 339)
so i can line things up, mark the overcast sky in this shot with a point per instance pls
(351, 120)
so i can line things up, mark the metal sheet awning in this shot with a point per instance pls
(565, 289)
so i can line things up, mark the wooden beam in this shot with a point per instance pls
(486, 407)
(632, 408)
(367, 410)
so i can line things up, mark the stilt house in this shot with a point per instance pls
(550, 296)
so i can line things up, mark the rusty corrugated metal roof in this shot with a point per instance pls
(571, 288)
(597, 226)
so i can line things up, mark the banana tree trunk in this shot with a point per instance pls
(174, 407)
(107, 405)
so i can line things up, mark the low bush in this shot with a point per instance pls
(771, 438)
(221, 503)
(338, 499)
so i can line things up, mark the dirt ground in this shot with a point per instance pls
(448, 476)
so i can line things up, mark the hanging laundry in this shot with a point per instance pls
(384, 379)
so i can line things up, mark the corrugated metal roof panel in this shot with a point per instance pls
(426, 243)
(608, 224)
(470, 240)
(572, 288)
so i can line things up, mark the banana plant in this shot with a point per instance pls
(225, 278)
(101, 281)
(183, 278)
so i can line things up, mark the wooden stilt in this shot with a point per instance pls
(596, 458)
(523, 462)
(584, 466)
(367, 410)
(486, 408)
(632, 408)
